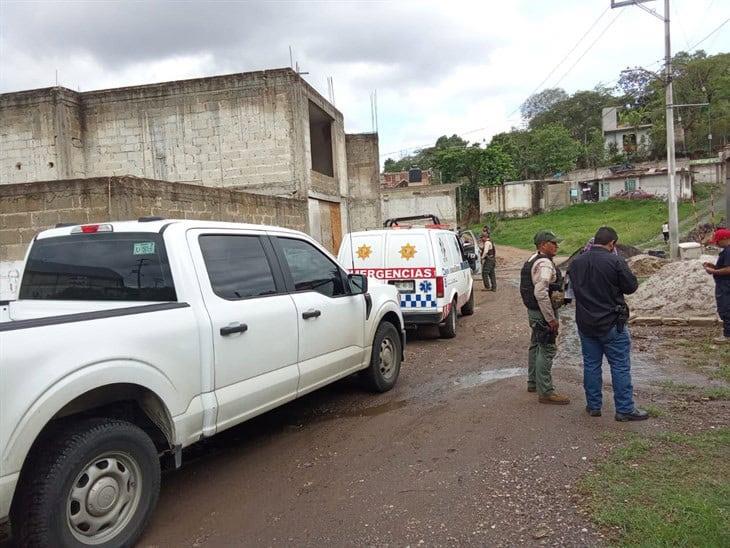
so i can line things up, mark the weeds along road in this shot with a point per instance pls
(457, 453)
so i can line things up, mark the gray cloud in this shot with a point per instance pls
(405, 41)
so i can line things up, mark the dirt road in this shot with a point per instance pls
(457, 453)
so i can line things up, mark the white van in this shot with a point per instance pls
(426, 264)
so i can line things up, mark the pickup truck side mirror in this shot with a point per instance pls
(358, 283)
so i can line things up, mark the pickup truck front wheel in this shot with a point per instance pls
(95, 482)
(385, 360)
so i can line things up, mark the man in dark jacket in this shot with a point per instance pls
(600, 280)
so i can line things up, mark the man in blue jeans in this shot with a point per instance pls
(600, 280)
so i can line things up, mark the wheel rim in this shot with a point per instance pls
(388, 359)
(104, 498)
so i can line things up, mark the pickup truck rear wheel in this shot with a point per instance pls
(95, 482)
(448, 329)
(385, 360)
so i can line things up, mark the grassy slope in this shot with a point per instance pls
(636, 221)
(668, 490)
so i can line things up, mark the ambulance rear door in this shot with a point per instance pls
(410, 267)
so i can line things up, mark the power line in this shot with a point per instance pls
(590, 47)
(555, 68)
(565, 57)
(725, 22)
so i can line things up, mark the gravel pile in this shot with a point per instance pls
(680, 289)
(645, 265)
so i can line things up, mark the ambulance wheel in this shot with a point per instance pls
(468, 308)
(448, 329)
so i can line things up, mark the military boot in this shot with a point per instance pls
(554, 399)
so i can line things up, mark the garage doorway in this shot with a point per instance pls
(325, 223)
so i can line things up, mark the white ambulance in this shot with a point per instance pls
(427, 265)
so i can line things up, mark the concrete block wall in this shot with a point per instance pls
(439, 200)
(30, 122)
(245, 131)
(26, 209)
(231, 131)
(363, 176)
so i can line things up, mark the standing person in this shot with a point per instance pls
(541, 291)
(600, 281)
(489, 263)
(665, 232)
(721, 272)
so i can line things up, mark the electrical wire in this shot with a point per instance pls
(555, 68)
(725, 22)
(589, 48)
(565, 57)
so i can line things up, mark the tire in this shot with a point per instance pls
(468, 308)
(75, 480)
(448, 329)
(384, 368)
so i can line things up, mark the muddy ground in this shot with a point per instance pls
(459, 453)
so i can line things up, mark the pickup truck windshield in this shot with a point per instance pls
(106, 267)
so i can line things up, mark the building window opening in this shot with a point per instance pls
(320, 140)
(629, 142)
(630, 185)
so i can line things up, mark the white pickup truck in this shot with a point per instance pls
(132, 340)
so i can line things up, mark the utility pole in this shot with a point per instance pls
(671, 160)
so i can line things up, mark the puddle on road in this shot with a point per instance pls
(490, 375)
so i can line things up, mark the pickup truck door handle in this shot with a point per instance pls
(234, 328)
(311, 314)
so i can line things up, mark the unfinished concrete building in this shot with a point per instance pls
(266, 132)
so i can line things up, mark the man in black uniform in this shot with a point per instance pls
(600, 280)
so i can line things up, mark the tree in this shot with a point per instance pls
(479, 166)
(594, 150)
(697, 78)
(541, 152)
(579, 113)
(552, 150)
(635, 86)
(423, 158)
(540, 102)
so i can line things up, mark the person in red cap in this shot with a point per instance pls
(721, 272)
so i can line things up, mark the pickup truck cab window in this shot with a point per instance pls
(237, 266)
(125, 266)
(311, 270)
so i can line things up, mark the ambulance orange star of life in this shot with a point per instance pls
(426, 263)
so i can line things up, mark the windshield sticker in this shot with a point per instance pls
(408, 251)
(144, 248)
(364, 251)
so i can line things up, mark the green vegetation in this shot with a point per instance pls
(669, 490)
(718, 393)
(653, 410)
(707, 357)
(636, 221)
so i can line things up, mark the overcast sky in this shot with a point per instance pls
(438, 67)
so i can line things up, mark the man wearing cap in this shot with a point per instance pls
(541, 291)
(721, 272)
(600, 280)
